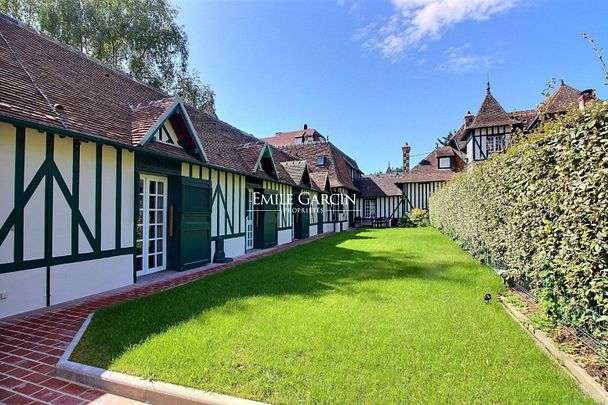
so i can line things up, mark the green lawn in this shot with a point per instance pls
(374, 316)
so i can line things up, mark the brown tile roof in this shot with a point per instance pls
(45, 82)
(296, 169)
(380, 185)
(51, 84)
(561, 99)
(250, 154)
(428, 169)
(525, 117)
(320, 179)
(337, 165)
(491, 113)
(288, 138)
(145, 115)
(460, 135)
(445, 151)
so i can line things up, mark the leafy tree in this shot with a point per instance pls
(443, 141)
(137, 36)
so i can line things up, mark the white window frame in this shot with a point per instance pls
(443, 159)
(369, 208)
(145, 224)
(249, 230)
(494, 144)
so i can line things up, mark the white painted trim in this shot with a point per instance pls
(257, 164)
(146, 226)
(177, 102)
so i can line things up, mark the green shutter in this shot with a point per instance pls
(195, 223)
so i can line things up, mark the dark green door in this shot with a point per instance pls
(320, 220)
(302, 229)
(265, 223)
(301, 217)
(270, 224)
(195, 223)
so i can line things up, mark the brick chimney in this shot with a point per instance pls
(468, 119)
(585, 98)
(406, 157)
(305, 126)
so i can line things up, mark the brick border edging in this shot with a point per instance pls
(136, 388)
(587, 383)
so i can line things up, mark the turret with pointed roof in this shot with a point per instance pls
(563, 98)
(491, 113)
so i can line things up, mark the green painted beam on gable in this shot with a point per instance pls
(19, 184)
(75, 193)
(48, 213)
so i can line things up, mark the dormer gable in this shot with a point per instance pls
(266, 162)
(166, 122)
(321, 180)
(306, 177)
(299, 172)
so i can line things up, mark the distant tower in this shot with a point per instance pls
(406, 157)
(389, 169)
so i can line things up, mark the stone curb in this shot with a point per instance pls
(136, 388)
(587, 383)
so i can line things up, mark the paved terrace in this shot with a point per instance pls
(31, 344)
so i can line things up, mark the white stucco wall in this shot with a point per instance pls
(26, 291)
(284, 237)
(76, 280)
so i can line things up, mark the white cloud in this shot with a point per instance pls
(461, 60)
(414, 22)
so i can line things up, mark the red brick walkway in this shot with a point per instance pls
(31, 344)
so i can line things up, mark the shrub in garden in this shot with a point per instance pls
(406, 222)
(541, 210)
(419, 217)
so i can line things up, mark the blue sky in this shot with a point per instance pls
(373, 74)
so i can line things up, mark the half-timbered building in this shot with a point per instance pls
(323, 158)
(106, 179)
(479, 137)
(380, 198)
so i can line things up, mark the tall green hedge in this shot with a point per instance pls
(540, 211)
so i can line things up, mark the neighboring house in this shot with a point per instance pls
(380, 196)
(324, 159)
(478, 138)
(295, 137)
(106, 179)
(428, 175)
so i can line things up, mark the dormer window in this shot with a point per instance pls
(445, 162)
(321, 161)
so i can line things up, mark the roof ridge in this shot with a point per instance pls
(300, 145)
(249, 144)
(150, 103)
